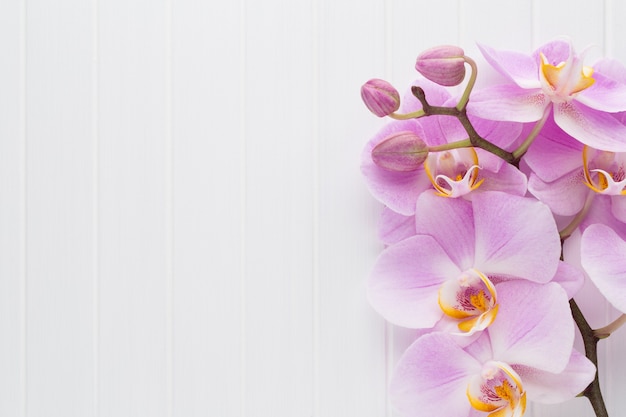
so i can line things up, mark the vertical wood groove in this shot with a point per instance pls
(95, 201)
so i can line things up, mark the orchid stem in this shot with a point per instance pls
(465, 143)
(475, 139)
(519, 152)
(470, 84)
(606, 331)
(592, 392)
(406, 116)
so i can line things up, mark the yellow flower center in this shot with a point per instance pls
(564, 80)
(605, 171)
(471, 299)
(453, 173)
(498, 391)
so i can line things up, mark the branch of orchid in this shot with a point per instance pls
(590, 340)
(470, 83)
(521, 150)
(475, 139)
(465, 143)
(606, 331)
(569, 229)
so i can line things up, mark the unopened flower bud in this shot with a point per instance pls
(443, 65)
(380, 97)
(402, 151)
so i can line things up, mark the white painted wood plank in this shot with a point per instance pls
(351, 336)
(279, 186)
(416, 26)
(59, 209)
(134, 222)
(12, 216)
(208, 171)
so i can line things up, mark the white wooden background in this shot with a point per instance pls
(184, 230)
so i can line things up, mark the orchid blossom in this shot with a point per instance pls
(526, 355)
(554, 81)
(450, 269)
(452, 173)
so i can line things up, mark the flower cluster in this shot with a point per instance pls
(498, 204)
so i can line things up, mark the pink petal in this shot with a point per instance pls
(508, 179)
(565, 196)
(450, 222)
(515, 236)
(534, 326)
(550, 388)
(394, 227)
(570, 278)
(518, 67)
(604, 95)
(618, 207)
(602, 257)
(404, 284)
(591, 127)
(556, 51)
(554, 153)
(431, 378)
(508, 102)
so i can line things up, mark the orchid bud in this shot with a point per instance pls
(444, 65)
(402, 152)
(380, 97)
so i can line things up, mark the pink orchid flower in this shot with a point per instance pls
(554, 80)
(450, 270)
(564, 173)
(453, 173)
(526, 355)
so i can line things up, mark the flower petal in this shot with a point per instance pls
(604, 95)
(508, 102)
(394, 227)
(405, 281)
(507, 179)
(618, 207)
(554, 153)
(591, 127)
(518, 67)
(565, 196)
(551, 388)
(431, 378)
(570, 278)
(451, 223)
(602, 257)
(515, 236)
(534, 326)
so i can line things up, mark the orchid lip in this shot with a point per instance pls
(563, 81)
(453, 173)
(471, 299)
(605, 172)
(497, 390)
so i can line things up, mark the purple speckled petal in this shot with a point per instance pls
(591, 127)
